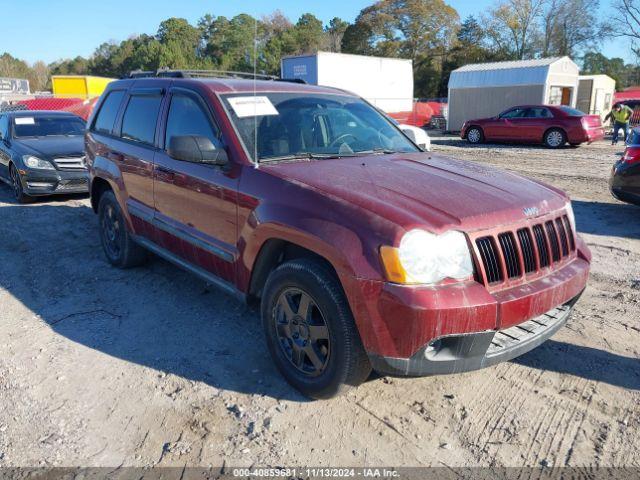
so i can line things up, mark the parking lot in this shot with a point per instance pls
(150, 366)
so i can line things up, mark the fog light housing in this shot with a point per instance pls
(39, 184)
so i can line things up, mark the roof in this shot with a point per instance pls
(352, 56)
(511, 64)
(599, 77)
(510, 73)
(233, 85)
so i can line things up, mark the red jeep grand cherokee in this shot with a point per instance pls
(363, 251)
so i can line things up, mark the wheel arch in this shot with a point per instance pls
(555, 127)
(474, 125)
(98, 186)
(273, 252)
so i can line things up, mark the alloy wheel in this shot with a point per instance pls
(555, 138)
(303, 334)
(474, 135)
(111, 231)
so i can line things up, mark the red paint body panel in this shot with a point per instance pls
(587, 128)
(402, 319)
(344, 210)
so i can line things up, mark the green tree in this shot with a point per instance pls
(38, 74)
(334, 33)
(277, 39)
(595, 63)
(471, 46)
(566, 33)
(309, 33)
(358, 39)
(514, 26)
(180, 43)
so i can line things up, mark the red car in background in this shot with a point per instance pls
(552, 125)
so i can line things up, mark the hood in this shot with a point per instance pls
(49, 148)
(425, 190)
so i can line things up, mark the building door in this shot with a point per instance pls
(585, 91)
(560, 95)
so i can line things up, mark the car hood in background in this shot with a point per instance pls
(418, 190)
(49, 148)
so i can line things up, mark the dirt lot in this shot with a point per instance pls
(178, 374)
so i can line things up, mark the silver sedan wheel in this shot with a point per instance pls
(555, 138)
(474, 135)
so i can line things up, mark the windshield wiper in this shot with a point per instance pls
(308, 155)
(377, 151)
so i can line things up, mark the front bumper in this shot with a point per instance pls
(472, 351)
(399, 323)
(52, 182)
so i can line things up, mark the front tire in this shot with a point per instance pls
(310, 331)
(119, 248)
(555, 138)
(475, 135)
(16, 183)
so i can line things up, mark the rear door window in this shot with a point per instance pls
(514, 113)
(538, 112)
(572, 112)
(140, 118)
(106, 117)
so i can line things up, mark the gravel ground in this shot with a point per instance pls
(102, 367)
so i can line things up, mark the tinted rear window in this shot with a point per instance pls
(574, 112)
(107, 115)
(140, 117)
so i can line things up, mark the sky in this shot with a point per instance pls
(54, 29)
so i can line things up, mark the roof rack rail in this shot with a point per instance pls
(165, 72)
(292, 80)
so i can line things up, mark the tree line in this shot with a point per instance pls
(429, 32)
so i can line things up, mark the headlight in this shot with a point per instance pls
(34, 162)
(425, 258)
(570, 214)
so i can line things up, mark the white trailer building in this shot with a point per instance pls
(486, 89)
(595, 94)
(385, 82)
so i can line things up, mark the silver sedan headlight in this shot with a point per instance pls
(34, 162)
(426, 258)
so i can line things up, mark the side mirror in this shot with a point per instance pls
(411, 134)
(197, 149)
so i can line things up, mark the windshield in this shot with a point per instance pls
(292, 125)
(572, 112)
(40, 126)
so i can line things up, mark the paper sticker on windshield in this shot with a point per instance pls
(25, 121)
(252, 106)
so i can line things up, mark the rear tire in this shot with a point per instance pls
(555, 138)
(119, 248)
(475, 135)
(310, 331)
(16, 183)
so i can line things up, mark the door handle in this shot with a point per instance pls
(116, 157)
(164, 170)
